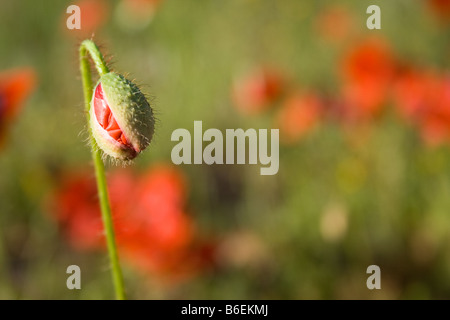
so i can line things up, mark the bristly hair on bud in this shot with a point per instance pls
(121, 119)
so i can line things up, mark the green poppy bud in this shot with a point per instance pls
(121, 118)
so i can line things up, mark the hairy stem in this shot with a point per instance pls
(89, 49)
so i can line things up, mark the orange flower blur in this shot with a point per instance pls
(15, 87)
(435, 123)
(299, 115)
(334, 24)
(136, 14)
(441, 8)
(423, 98)
(94, 14)
(367, 72)
(411, 89)
(153, 231)
(139, 10)
(256, 91)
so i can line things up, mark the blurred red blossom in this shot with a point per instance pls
(441, 8)
(435, 122)
(76, 208)
(153, 231)
(298, 115)
(367, 73)
(411, 91)
(94, 14)
(334, 23)
(135, 15)
(254, 92)
(422, 97)
(15, 86)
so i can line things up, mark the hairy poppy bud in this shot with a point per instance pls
(121, 118)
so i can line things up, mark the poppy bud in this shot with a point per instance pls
(121, 118)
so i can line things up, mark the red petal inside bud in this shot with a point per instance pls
(106, 118)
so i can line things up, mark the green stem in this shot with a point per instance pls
(89, 47)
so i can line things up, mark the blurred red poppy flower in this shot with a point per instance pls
(135, 15)
(411, 91)
(94, 14)
(435, 119)
(153, 231)
(161, 232)
(441, 8)
(298, 115)
(334, 23)
(15, 87)
(254, 92)
(367, 72)
(76, 209)
(423, 99)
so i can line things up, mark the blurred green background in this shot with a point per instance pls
(309, 232)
